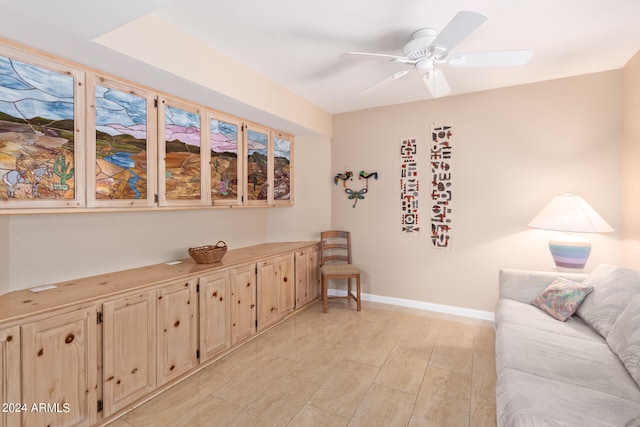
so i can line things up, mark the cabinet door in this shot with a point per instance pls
(268, 293)
(129, 350)
(302, 280)
(177, 333)
(59, 369)
(243, 303)
(313, 274)
(286, 278)
(215, 333)
(307, 276)
(10, 375)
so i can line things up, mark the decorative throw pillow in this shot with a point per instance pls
(562, 298)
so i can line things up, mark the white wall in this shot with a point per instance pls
(311, 212)
(631, 163)
(514, 149)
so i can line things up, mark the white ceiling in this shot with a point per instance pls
(298, 43)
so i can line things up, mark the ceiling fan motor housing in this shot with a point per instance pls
(418, 46)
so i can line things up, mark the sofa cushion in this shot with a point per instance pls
(624, 338)
(561, 298)
(613, 288)
(584, 363)
(526, 400)
(510, 312)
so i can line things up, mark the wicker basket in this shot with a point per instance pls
(208, 254)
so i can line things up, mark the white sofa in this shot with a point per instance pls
(584, 371)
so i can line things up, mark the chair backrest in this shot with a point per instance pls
(335, 246)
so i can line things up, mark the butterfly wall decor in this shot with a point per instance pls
(354, 195)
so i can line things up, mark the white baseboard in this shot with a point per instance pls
(439, 308)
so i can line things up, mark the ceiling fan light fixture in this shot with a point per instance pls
(424, 65)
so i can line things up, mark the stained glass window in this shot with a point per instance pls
(182, 154)
(121, 145)
(281, 168)
(37, 125)
(257, 165)
(224, 160)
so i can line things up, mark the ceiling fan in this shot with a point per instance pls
(427, 48)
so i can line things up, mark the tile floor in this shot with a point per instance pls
(384, 366)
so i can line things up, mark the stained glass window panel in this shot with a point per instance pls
(224, 160)
(182, 154)
(37, 147)
(281, 169)
(257, 165)
(121, 145)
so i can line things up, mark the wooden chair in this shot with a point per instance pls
(335, 263)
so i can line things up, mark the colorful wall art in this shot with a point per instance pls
(257, 165)
(121, 145)
(281, 168)
(441, 209)
(182, 154)
(37, 140)
(409, 187)
(224, 160)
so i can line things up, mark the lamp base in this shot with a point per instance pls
(570, 251)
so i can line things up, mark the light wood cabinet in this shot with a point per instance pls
(177, 330)
(10, 377)
(268, 293)
(215, 322)
(307, 273)
(286, 278)
(243, 302)
(59, 369)
(276, 289)
(85, 352)
(129, 350)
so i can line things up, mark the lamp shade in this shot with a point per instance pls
(570, 213)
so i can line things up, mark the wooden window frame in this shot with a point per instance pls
(205, 158)
(213, 115)
(79, 131)
(152, 143)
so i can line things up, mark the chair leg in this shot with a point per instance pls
(325, 296)
(358, 291)
(349, 287)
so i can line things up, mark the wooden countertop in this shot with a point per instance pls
(19, 304)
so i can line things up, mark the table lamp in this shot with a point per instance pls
(571, 214)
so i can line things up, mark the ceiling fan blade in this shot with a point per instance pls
(491, 59)
(463, 24)
(384, 82)
(379, 56)
(436, 83)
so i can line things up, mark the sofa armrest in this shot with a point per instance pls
(525, 285)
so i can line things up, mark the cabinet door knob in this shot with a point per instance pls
(177, 323)
(69, 339)
(285, 279)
